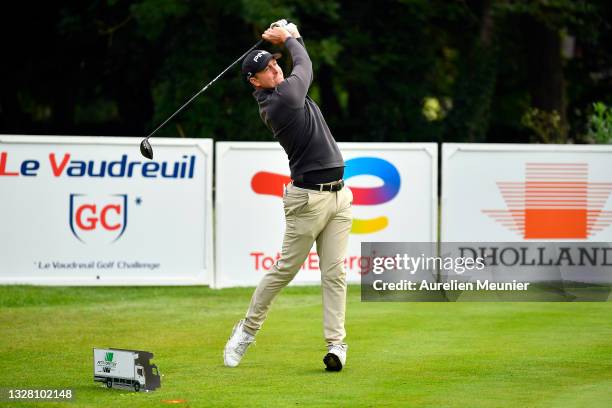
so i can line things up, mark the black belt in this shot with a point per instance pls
(320, 187)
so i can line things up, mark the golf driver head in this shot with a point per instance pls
(145, 149)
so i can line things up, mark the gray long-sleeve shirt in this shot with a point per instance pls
(296, 120)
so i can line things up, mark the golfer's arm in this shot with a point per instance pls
(295, 87)
(301, 41)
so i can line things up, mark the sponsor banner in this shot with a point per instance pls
(394, 188)
(487, 271)
(514, 193)
(93, 211)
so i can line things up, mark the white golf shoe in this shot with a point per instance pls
(237, 345)
(335, 358)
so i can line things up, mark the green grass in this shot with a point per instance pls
(402, 354)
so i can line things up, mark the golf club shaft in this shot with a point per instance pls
(206, 87)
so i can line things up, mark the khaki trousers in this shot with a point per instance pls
(324, 217)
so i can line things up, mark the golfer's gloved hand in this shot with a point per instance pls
(293, 30)
(279, 23)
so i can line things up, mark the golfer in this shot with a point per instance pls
(316, 203)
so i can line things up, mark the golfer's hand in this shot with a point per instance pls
(276, 35)
(293, 30)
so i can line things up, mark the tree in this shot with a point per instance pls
(394, 70)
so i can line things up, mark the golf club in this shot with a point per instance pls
(145, 147)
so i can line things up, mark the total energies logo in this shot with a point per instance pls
(272, 184)
(556, 201)
(98, 219)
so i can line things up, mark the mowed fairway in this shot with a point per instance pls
(402, 354)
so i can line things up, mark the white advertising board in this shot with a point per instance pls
(93, 211)
(394, 187)
(513, 193)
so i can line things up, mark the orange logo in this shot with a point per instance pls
(556, 201)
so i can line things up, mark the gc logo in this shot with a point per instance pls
(100, 219)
